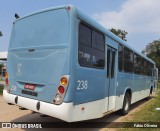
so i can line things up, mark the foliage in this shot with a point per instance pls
(1, 89)
(1, 65)
(1, 34)
(120, 33)
(153, 51)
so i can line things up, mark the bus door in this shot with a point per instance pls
(110, 83)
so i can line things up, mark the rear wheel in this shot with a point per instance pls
(126, 105)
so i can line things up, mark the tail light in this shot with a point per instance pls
(62, 88)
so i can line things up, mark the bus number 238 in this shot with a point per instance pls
(82, 84)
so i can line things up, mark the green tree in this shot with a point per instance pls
(1, 34)
(152, 50)
(120, 33)
(1, 66)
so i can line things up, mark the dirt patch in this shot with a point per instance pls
(10, 112)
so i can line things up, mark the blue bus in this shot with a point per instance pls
(64, 64)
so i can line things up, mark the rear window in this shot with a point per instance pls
(44, 29)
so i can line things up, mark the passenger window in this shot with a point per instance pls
(85, 55)
(97, 41)
(128, 60)
(84, 35)
(120, 58)
(137, 64)
(97, 58)
(91, 47)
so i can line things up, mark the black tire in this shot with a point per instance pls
(151, 90)
(126, 105)
(150, 94)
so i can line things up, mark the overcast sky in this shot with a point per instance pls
(140, 18)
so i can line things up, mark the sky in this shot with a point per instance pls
(140, 18)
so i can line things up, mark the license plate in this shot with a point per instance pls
(30, 86)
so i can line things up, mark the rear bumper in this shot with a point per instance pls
(63, 111)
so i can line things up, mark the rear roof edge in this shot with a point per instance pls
(45, 10)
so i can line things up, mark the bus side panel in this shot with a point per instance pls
(90, 85)
(142, 86)
(124, 82)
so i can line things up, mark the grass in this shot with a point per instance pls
(147, 113)
(159, 85)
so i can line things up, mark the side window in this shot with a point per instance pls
(152, 67)
(91, 47)
(120, 57)
(97, 41)
(148, 69)
(84, 55)
(84, 35)
(85, 50)
(143, 67)
(97, 58)
(137, 64)
(128, 60)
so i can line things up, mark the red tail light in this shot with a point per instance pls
(61, 89)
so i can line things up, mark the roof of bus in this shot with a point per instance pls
(91, 22)
(45, 10)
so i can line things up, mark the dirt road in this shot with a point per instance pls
(11, 113)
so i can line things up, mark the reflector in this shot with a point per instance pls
(57, 98)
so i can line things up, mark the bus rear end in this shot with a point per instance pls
(38, 63)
